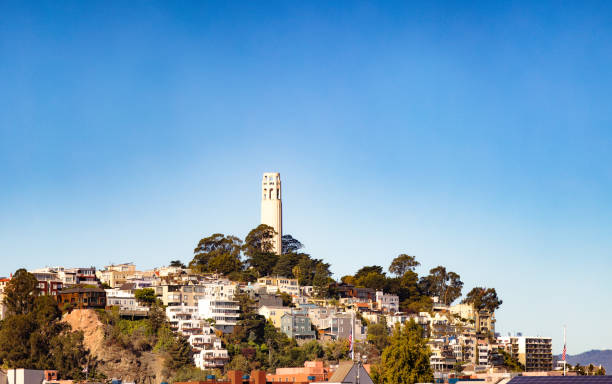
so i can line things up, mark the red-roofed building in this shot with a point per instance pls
(311, 371)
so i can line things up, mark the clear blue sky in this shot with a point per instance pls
(476, 136)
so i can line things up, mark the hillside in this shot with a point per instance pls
(595, 357)
(114, 361)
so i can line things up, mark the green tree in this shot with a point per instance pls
(378, 335)
(402, 264)
(258, 248)
(217, 253)
(290, 244)
(321, 279)
(406, 359)
(145, 296)
(177, 264)
(20, 293)
(443, 284)
(483, 298)
(179, 354)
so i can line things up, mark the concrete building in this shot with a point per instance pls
(116, 275)
(25, 376)
(271, 207)
(311, 371)
(535, 353)
(342, 324)
(173, 294)
(223, 312)
(387, 302)
(279, 284)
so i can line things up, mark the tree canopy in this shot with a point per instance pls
(444, 284)
(402, 264)
(20, 293)
(217, 253)
(406, 359)
(483, 298)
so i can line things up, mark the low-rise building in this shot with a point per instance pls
(279, 284)
(311, 371)
(116, 275)
(82, 298)
(274, 314)
(297, 325)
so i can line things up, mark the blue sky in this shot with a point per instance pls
(473, 135)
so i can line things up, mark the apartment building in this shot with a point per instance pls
(279, 284)
(116, 275)
(535, 353)
(345, 324)
(223, 312)
(125, 300)
(387, 302)
(172, 294)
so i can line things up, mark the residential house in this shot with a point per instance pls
(297, 325)
(279, 284)
(82, 298)
(274, 313)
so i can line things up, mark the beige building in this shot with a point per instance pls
(271, 206)
(282, 284)
(116, 275)
(172, 294)
(274, 314)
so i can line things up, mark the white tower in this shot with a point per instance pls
(272, 207)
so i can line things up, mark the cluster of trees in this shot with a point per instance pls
(589, 370)
(254, 257)
(33, 336)
(415, 292)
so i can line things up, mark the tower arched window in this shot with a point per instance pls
(278, 194)
(271, 189)
(265, 193)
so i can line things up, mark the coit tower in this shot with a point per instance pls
(272, 207)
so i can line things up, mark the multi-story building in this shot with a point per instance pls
(125, 300)
(273, 313)
(116, 275)
(279, 284)
(387, 302)
(345, 324)
(535, 353)
(82, 298)
(224, 313)
(321, 317)
(173, 294)
(296, 325)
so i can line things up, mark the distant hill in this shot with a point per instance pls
(594, 356)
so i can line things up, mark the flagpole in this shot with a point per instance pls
(564, 351)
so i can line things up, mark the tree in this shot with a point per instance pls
(20, 293)
(363, 271)
(145, 296)
(483, 299)
(378, 335)
(445, 285)
(217, 253)
(180, 354)
(178, 264)
(406, 359)
(290, 244)
(258, 247)
(321, 279)
(402, 264)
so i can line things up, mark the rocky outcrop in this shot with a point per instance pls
(112, 360)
